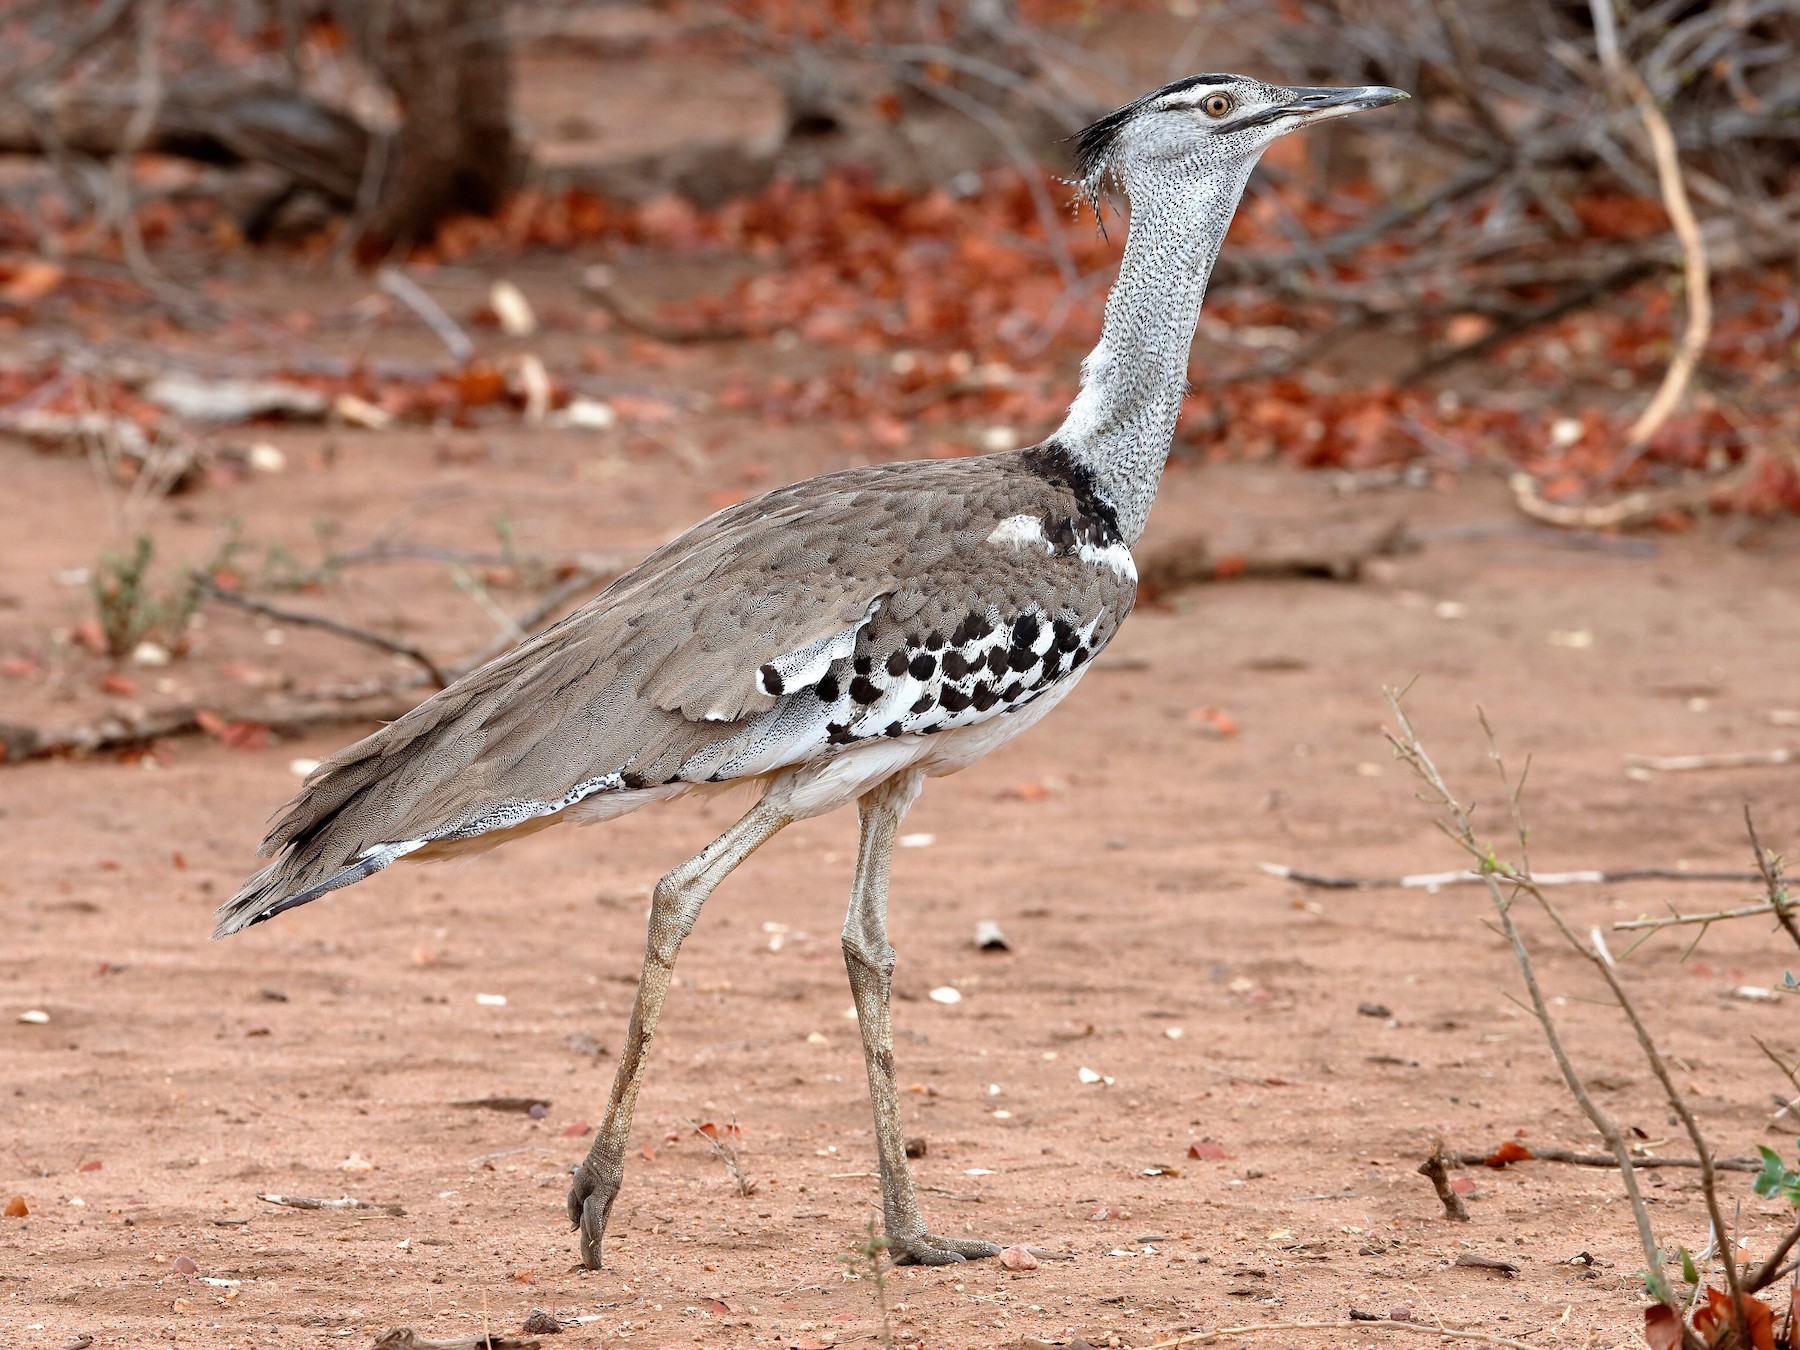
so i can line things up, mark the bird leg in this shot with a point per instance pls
(673, 910)
(870, 960)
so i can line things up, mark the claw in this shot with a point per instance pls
(590, 1205)
(929, 1250)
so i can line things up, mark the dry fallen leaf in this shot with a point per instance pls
(1662, 1327)
(1205, 1148)
(1510, 1151)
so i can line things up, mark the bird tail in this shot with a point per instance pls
(281, 886)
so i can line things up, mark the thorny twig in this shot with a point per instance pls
(1769, 863)
(1789, 1071)
(1460, 828)
(727, 1153)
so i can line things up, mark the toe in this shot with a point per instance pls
(593, 1232)
(969, 1249)
(923, 1251)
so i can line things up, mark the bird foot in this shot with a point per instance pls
(590, 1205)
(928, 1250)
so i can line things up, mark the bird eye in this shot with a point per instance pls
(1217, 105)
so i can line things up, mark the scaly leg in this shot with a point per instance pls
(676, 905)
(870, 961)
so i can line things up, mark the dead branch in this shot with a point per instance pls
(405, 1338)
(1271, 1328)
(1693, 248)
(149, 97)
(1335, 553)
(344, 630)
(343, 1202)
(598, 281)
(122, 730)
(1435, 1171)
(1434, 881)
(409, 293)
(1737, 759)
(303, 713)
(1635, 508)
(1638, 1160)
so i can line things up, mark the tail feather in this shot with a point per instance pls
(271, 891)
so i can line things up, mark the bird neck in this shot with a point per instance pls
(1121, 424)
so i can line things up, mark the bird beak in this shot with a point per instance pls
(1321, 104)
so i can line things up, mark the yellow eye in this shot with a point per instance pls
(1217, 105)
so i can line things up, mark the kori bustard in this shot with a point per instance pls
(841, 639)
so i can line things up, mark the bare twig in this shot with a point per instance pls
(1635, 508)
(727, 1153)
(1638, 1160)
(1789, 1071)
(343, 1202)
(344, 630)
(598, 281)
(367, 701)
(137, 130)
(1705, 920)
(1687, 230)
(1769, 863)
(409, 293)
(1737, 759)
(1274, 1328)
(1499, 876)
(1434, 881)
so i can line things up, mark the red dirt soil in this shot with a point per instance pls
(1117, 846)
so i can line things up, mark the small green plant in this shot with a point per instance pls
(283, 570)
(129, 611)
(1776, 1178)
(869, 1260)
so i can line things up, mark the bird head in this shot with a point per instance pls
(1207, 124)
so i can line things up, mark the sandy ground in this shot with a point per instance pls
(1321, 1038)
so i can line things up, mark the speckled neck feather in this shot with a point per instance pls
(1122, 422)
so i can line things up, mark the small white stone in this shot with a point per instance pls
(1565, 431)
(1174, 1033)
(265, 458)
(35, 1016)
(148, 653)
(514, 311)
(1087, 1075)
(588, 414)
(1450, 609)
(946, 994)
(998, 440)
(491, 1000)
(1575, 639)
(301, 767)
(916, 840)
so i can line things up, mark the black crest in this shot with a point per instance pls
(1094, 142)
